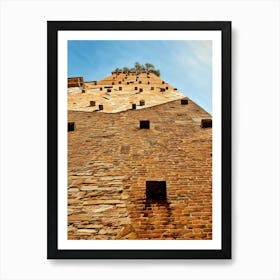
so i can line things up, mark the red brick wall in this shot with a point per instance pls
(110, 159)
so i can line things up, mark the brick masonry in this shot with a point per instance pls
(110, 159)
(75, 82)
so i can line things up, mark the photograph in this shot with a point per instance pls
(139, 140)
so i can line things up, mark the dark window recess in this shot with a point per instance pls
(144, 124)
(108, 90)
(156, 190)
(166, 88)
(127, 83)
(125, 149)
(135, 88)
(140, 90)
(95, 83)
(120, 82)
(83, 91)
(71, 126)
(120, 88)
(91, 103)
(175, 88)
(100, 107)
(163, 82)
(184, 101)
(152, 88)
(113, 83)
(140, 82)
(142, 102)
(162, 90)
(206, 123)
(148, 83)
(101, 88)
(133, 106)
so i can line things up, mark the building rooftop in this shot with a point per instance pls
(119, 91)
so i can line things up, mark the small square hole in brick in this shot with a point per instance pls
(156, 190)
(71, 126)
(184, 101)
(140, 90)
(205, 123)
(133, 106)
(145, 124)
(120, 88)
(100, 107)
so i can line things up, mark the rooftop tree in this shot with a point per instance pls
(149, 67)
(126, 69)
(138, 67)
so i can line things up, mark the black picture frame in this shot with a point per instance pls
(53, 27)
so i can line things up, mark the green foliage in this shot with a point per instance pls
(138, 67)
(126, 69)
(156, 72)
(149, 67)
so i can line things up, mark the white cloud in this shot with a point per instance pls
(202, 50)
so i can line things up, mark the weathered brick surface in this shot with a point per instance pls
(117, 97)
(110, 159)
(75, 82)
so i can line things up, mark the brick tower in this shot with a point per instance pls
(139, 161)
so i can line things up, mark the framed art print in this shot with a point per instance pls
(139, 140)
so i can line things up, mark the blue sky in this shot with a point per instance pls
(186, 65)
